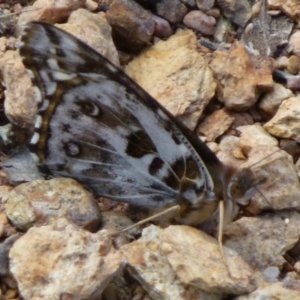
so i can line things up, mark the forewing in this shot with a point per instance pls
(98, 126)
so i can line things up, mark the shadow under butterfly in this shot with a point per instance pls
(98, 126)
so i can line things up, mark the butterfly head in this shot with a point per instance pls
(243, 185)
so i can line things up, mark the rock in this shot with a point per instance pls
(266, 34)
(272, 291)
(96, 32)
(229, 146)
(7, 22)
(11, 294)
(189, 3)
(11, 44)
(215, 124)
(294, 42)
(253, 136)
(262, 241)
(48, 11)
(20, 102)
(214, 147)
(3, 42)
(236, 11)
(285, 124)
(42, 202)
(289, 7)
(184, 82)
(198, 20)
(255, 115)
(90, 5)
(291, 147)
(271, 101)
(167, 264)
(292, 81)
(291, 281)
(173, 11)
(21, 167)
(162, 27)
(205, 5)
(181, 246)
(293, 64)
(124, 287)
(214, 12)
(4, 194)
(271, 274)
(6, 230)
(114, 222)
(133, 26)
(240, 119)
(241, 76)
(281, 62)
(62, 260)
(297, 165)
(4, 251)
(224, 31)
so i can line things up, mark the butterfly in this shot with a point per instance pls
(98, 126)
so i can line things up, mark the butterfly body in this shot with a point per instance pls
(96, 125)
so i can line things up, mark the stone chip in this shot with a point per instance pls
(59, 260)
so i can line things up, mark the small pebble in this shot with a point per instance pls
(293, 65)
(294, 42)
(281, 62)
(200, 21)
(215, 12)
(162, 27)
(205, 5)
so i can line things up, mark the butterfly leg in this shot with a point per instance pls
(220, 234)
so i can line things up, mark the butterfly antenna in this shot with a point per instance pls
(256, 163)
(171, 209)
(257, 189)
(282, 148)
